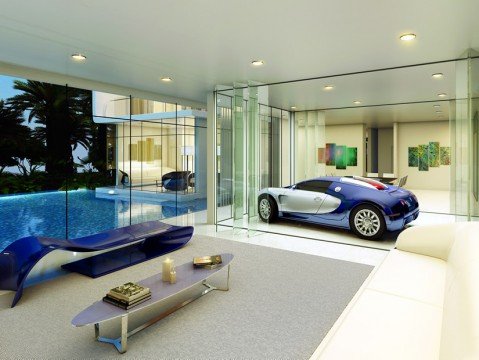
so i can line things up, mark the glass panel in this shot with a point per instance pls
(239, 158)
(35, 159)
(224, 155)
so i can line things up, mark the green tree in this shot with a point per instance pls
(63, 119)
(14, 136)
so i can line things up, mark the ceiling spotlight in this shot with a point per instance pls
(356, 102)
(78, 57)
(257, 62)
(437, 75)
(442, 95)
(293, 107)
(328, 87)
(166, 79)
(407, 37)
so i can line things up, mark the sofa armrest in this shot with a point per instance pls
(429, 240)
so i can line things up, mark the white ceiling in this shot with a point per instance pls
(204, 43)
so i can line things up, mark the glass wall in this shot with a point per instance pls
(76, 162)
(404, 123)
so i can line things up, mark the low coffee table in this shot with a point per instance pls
(187, 276)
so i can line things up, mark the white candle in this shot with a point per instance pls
(166, 270)
(173, 276)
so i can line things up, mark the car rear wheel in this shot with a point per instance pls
(367, 222)
(267, 208)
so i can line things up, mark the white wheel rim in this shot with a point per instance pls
(367, 222)
(265, 209)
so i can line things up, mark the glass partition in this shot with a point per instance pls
(75, 162)
(412, 128)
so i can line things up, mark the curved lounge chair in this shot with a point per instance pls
(140, 242)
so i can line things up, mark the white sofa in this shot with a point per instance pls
(422, 302)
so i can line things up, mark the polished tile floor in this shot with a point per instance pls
(322, 241)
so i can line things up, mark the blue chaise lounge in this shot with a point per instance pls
(129, 245)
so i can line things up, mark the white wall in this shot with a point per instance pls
(414, 134)
(351, 136)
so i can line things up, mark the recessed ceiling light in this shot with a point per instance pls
(437, 75)
(329, 87)
(437, 106)
(442, 95)
(293, 107)
(357, 102)
(78, 57)
(257, 62)
(166, 79)
(407, 37)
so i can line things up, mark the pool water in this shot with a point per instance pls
(45, 214)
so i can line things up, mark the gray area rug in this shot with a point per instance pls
(280, 305)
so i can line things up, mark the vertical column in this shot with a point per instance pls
(253, 155)
(212, 177)
(460, 144)
(238, 156)
(396, 149)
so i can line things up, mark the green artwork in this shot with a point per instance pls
(445, 155)
(423, 158)
(413, 160)
(352, 155)
(340, 156)
(433, 154)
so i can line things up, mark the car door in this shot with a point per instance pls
(305, 197)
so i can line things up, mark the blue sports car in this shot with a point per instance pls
(365, 206)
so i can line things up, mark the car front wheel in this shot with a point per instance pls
(267, 208)
(367, 222)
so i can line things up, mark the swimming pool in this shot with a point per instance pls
(45, 214)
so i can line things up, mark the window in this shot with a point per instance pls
(314, 185)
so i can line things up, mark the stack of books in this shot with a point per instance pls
(128, 295)
(207, 262)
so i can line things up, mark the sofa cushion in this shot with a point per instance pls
(412, 276)
(385, 326)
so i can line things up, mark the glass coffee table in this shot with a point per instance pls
(187, 277)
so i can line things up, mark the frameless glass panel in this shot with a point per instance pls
(35, 159)
(224, 156)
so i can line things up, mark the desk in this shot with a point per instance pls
(187, 277)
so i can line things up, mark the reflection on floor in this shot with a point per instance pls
(434, 207)
(286, 242)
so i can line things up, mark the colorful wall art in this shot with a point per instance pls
(330, 157)
(431, 155)
(340, 156)
(352, 156)
(423, 158)
(413, 160)
(445, 152)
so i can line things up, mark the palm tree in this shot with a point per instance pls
(64, 120)
(14, 135)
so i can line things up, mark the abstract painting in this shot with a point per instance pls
(445, 155)
(413, 160)
(321, 156)
(340, 157)
(433, 154)
(330, 154)
(423, 158)
(352, 156)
